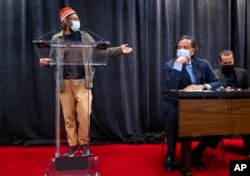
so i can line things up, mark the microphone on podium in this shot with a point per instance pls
(103, 44)
(47, 33)
(41, 43)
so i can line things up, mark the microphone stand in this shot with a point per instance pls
(103, 45)
(221, 88)
(47, 33)
(40, 43)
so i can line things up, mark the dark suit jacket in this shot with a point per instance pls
(242, 77)
(175, 80)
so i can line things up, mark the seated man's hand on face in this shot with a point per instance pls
(182, 59)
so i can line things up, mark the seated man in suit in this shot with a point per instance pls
(232, 79)
(184, 72)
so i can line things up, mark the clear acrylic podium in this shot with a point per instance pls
(87, 54)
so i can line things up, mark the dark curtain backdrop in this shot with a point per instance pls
(127, 92)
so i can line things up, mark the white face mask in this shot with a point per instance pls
(183, 52)
(75, 25)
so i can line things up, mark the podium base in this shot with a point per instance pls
(77, 166)
(72, 163)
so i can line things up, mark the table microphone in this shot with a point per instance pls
(221, 88)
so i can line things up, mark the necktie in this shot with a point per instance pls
(190, 72)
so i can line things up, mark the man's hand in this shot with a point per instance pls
(195, 87)
(126, 49)
(45, 61)
(229, 89)
(182, 59)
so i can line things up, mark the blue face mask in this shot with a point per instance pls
(75, 25)
(183, 52)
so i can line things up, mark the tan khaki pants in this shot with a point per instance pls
(76, 102)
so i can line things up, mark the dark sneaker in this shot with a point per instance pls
(72, 150)
(170, 163)
(85, 150)
(197, 161)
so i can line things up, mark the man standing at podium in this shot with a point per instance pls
(75, 87)
(184, 72)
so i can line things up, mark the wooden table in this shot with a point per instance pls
(206, 113)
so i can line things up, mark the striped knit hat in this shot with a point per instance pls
(66, 11)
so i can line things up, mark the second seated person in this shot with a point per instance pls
(233, 79)
(184, 72)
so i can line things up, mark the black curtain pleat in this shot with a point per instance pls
(127, 91)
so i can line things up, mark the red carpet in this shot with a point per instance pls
(119, 159)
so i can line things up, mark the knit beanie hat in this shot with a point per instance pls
(64, 12)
